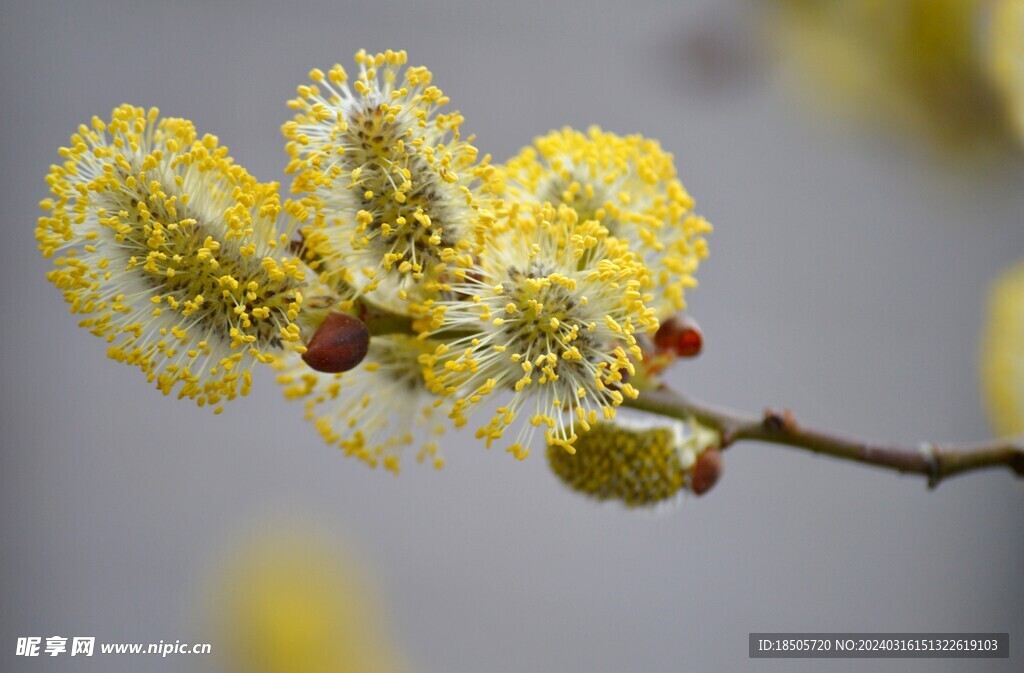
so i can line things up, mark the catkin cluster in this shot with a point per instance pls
(408, 284)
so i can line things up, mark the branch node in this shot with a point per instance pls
(777, 422)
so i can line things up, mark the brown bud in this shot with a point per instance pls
(707, 471)
(778, 421)
(338, 345)
(680, 335)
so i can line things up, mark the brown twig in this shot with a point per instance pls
(934, 461)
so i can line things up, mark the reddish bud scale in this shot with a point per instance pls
(680, 335)
(707, 471)
(338, 345)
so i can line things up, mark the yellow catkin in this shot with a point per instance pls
(376, 410)
(170, 253)
(638, 466)
(388, 176)
(550, 312)
(626, 183)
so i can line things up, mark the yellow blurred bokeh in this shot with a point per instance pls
(1002, 354)
(295, 602)
(950, 70)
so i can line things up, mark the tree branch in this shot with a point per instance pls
(934, 461)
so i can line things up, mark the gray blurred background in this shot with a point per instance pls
(847, 281)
